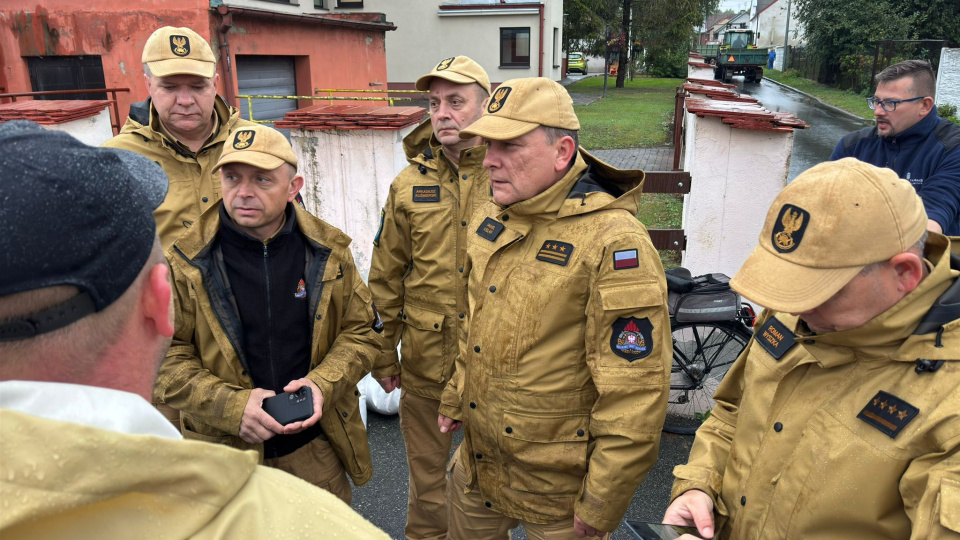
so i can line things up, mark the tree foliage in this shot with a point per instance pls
(661, 30)
(839, 28)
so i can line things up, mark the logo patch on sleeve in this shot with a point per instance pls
(376, 239)
(555, 252)
(377, 321)
(888, 413)
(775, 338)
(426, 193)
(490, 229)
(632, 338)
(624, 259)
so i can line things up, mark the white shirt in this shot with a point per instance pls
(102, 408)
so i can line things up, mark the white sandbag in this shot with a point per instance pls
(377, 399)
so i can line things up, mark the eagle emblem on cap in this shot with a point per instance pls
(788, 231)
(498, 99)
(444, 64)
(243, 139)
(180, 45)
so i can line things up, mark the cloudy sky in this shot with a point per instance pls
(735, 5)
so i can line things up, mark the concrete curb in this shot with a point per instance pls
(811, 96)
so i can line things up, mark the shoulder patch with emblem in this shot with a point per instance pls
(788, 230)
(555, 252)
(632, 338)
(775, 338)
(888, 413)
(376, 239)
(426, 193)
(490, 229)
(624, 259)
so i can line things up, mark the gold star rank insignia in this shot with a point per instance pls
(888, 413)
(555, 252)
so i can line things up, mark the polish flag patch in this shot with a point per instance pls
(625, 259)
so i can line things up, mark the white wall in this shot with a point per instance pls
(347, 176)
(948, 77)
(424, 37)
(721, 223)
(93, 130)
(771, 24)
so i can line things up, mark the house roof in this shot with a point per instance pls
(347, 117)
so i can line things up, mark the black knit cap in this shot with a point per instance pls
(71, 214)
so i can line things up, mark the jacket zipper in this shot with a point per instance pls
(266, 275)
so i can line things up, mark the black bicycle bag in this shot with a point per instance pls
(710, 299)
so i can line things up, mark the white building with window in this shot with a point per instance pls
(509, 38)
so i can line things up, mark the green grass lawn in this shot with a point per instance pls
(848, 101)
(636, 116)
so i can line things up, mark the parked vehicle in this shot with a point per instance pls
(577, 62)
(736, 55)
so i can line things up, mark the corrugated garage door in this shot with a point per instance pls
(266, 76)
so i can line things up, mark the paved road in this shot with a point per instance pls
(828, 124)
(383, 500)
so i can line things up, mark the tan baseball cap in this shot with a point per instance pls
(178, 51)
(519, 106)
(260, 146)
(823, 228)
(458, 69)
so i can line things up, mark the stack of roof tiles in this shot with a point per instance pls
(51, 111)
(720, 100)
(352, 117)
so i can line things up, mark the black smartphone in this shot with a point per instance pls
(287, 408)
(659, 531)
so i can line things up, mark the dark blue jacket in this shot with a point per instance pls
(927, 154)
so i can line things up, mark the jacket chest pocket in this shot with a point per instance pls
(422, 345)
(430, 229)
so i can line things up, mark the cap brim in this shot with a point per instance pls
(259, 160)
(182, 66)
(498, 128)
(423, 83)
(787, 287)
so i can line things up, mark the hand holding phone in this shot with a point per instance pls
(290, 407)
(659, 531)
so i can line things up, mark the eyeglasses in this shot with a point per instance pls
(889, 105)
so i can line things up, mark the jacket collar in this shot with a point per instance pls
(230, 232)
(917, 132)
(890, 334)
(226, 116)
(590, 185)
(196, 240)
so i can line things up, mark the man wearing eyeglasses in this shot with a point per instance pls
(913, 141)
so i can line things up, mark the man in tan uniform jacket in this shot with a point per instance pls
(182, 127)
(83, 455)
(841, 419)
(268, 300)
(417, 280)
(563, 378)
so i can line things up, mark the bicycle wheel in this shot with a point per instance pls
(702, 354)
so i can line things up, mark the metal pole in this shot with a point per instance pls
(786, 37)
(606, 60)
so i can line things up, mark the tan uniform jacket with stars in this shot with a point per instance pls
(839, 438)
(194, 186)
(416, 275)
(562, 386)
(204, 376)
